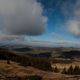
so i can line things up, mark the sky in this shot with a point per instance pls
(49, 23)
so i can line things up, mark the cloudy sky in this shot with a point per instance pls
(41, 22)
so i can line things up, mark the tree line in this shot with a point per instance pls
(24, 60)
(70, 71)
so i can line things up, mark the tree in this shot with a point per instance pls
(76, 70)
(8, 59)
(56, 69)
(64, 71)
(70, 70)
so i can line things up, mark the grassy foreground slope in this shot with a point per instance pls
(14, 71)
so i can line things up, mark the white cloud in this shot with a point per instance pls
(22, 17)
(74, 27)
(71, 10)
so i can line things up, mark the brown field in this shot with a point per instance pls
(14, 69)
